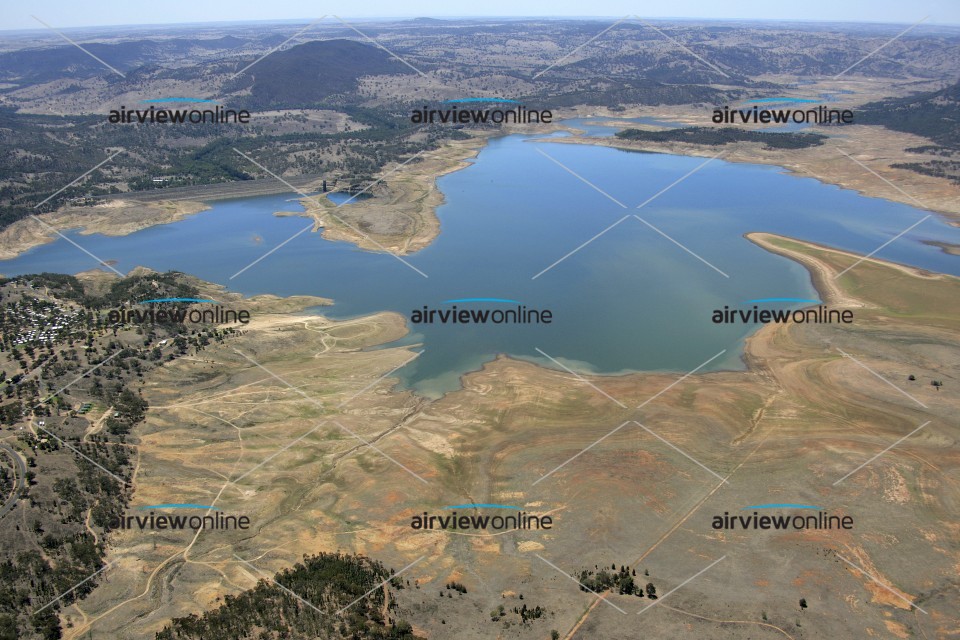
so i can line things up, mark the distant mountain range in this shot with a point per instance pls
(33, 66)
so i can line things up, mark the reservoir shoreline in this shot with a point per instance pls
(544, 219)
(413, 203)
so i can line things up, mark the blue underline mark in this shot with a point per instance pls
(179, 506)
(779, 100)
(178, 300)
(481, 300)
(783, 506)
(782, 300)
(480, 100)
(484, 506)
(192, 100)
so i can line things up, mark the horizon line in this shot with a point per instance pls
(411, 17)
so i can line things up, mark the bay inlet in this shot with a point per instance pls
(630, 300)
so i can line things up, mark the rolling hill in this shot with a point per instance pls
(308, 74)
(934, 115)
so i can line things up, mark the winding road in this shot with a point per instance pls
(20, 476)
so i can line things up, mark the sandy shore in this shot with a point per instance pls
(400, 217)
(113, 218)
(821, 275)
(799, 417)
(946, 247)
(873, 147)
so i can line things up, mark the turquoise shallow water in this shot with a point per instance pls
(629, 300)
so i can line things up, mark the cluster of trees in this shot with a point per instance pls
(949, 169)
(170, 284)
(457, 586)
(934, 383)
(631, 90)
(63, 489)
(623, 581)
(934, 115)
(51, 161)
(329, 582)
(526, 613)
(29, 579)
(522, 611)
(722, 135)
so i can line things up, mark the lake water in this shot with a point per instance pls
(630, 300)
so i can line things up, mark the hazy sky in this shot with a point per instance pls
(71, 13)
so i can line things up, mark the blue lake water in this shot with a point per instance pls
(630, 300)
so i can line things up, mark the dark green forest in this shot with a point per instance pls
(716, 136)
(330, 582)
